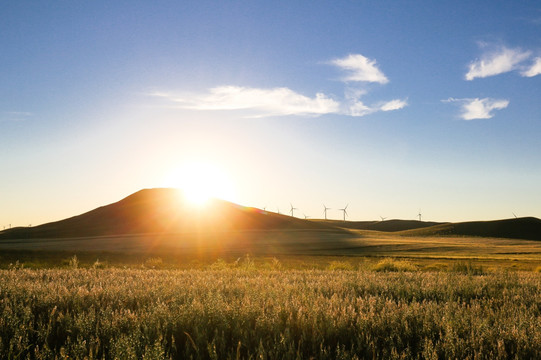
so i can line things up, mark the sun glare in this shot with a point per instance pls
(200, 182)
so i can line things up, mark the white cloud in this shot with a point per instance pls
(358, 108)
(479, 108)
(282, 101)
(534, 69)
(360, 69)
(261, 102)
(277, 102)
(355, 107)
(396, 104)
(501, 61)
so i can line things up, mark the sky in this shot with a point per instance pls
(392, 108)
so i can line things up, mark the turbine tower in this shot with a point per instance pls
(292, 209)
(419, 215)
(344, 210)
(325, 210)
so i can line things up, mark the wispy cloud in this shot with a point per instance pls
(360, 68)
(497, 62)
(282, 101)
(358, 108)
(534, 69)
(479, 108)
(261, 102)
(14, 115)
(257, 102)
(354, 106)
(396, 104)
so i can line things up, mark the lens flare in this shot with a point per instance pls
(200, 182)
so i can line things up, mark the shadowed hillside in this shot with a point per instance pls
(528, 228)
(385, 226)
(162, 211)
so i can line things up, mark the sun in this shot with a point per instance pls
(201, 181)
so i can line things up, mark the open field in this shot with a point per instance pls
(137, 280)
(185, 250)
(270, 294)
(249, 312)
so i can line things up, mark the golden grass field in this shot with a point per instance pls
(250, 309)
(136, 280)
(284, 294)
(358, 246)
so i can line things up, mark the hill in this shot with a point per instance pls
(385, 226)
(162, 211)
(527, 228)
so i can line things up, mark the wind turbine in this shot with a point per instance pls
(306, 216)
(325, 210)
(514, 215)
(344, 210)
(419, 215)
(292, 209)
(383, 218)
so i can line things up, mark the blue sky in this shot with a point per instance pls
(391, 107)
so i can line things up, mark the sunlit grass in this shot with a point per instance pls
(241, 309)
(389, 264)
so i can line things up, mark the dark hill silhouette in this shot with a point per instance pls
(162, 211)
(527, 228)
(385, 226)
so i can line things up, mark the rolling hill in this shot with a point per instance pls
(162, 211)
(165, 211)
(527, 228)
(385, 226)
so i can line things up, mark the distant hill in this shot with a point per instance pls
(162, 211)
(385, 226)
(527, 228)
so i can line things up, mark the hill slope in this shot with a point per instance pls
(527, 228)
(385, 226)
(161, 211)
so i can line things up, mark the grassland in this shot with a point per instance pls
(302, 293)
(297, 249)
(245, 309)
